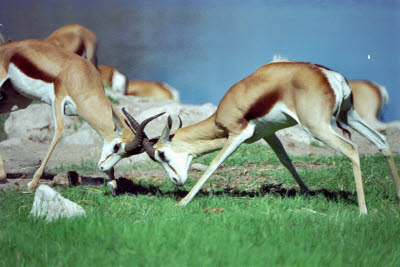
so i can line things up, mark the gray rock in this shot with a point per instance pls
(50, 205)
(36, 123)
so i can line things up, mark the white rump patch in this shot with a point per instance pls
(384, 94)
(29, 87)
(340, 87)
(174, 92)
(118, 82)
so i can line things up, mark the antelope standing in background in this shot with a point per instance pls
(77, 39)
(369, 99)
(34, 69)
(276, 96)
(119, 83)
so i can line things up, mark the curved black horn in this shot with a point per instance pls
(132, 120)
(136, 143)
(148, 147)
(148, 144)
(169, 122)
(180, 122)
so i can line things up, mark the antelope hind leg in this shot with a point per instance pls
(355, 122)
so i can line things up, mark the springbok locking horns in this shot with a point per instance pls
(276, 96)
(34, 69)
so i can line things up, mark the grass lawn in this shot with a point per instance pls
(241, 226)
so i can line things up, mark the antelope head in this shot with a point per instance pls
(176, 163)
(120, 147)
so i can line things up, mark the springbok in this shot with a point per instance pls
(276, 96)
(152, 89)
(77, 39)
(119, 83)
(34, 69)
(113, 78)
(369, 99)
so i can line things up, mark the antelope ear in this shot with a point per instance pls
(119, 126)
(165, 134)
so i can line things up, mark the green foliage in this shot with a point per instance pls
(253, 230)
(113, 100)
(78, 124)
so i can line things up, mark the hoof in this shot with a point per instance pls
(113, 187)
(305, 193)
(181, 203)
(364, 212)
(30, 187)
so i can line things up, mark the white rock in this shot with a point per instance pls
(50, 205)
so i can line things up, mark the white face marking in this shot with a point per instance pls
(31, 88)
(111, 154)
(175, 164)
(118, 82)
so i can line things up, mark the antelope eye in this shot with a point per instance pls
(162, 156)
(116, 148)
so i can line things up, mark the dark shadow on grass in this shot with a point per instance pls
(127, 186)
(19, 175)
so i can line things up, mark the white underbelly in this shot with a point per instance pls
(278, 118)
(29, 87)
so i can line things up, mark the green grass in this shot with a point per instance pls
(265, 230)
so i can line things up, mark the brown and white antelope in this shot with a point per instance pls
(276, 96)
(152, 89)
(369, 99)
(140, 88)
(77, 39)
(34, 69)
(113, 78)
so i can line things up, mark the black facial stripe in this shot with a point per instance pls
(162, 156)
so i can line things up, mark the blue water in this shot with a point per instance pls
(202, 48)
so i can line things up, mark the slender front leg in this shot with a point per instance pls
(57, 135)
(230, 146)
(112, 182)
(3, 174)
(279, 150)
